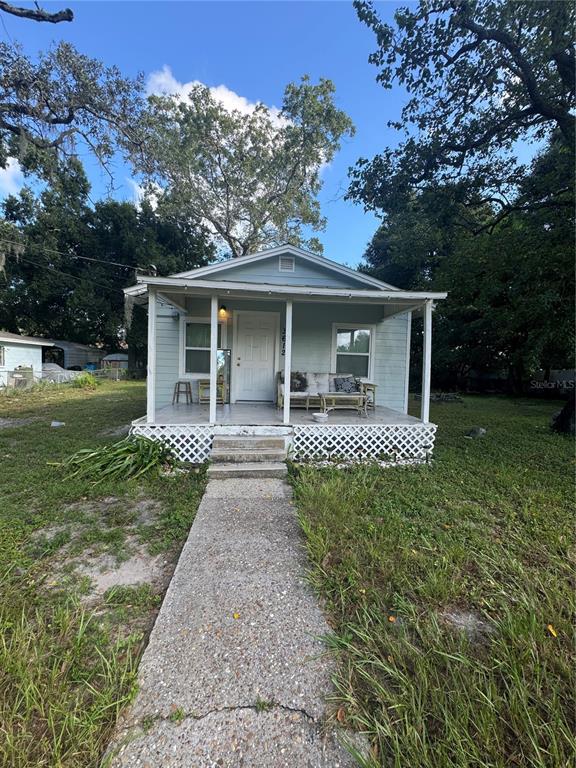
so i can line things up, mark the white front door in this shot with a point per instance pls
(254, 356)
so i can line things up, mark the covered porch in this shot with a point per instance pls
(274, 335)
(384, 434)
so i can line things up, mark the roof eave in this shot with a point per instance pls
(214, 286)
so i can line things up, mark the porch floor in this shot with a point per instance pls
(249, 414)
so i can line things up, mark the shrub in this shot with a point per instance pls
(85, 380)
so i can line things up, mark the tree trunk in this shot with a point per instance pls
(565, 420)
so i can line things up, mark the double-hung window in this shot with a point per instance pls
(197, 346)
(2, 356)
(352, 349)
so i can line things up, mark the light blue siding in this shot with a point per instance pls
(311, 342)
(312, 345)
(267, 271)
(167, 354)
(390, 365)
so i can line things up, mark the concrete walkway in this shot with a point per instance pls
(234, 675)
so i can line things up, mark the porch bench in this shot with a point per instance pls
(319, 385)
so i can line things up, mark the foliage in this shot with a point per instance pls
(75, 258)
(85, 380)
(251, 178)
(510, 305)
(449, 591)
(481, 76)
(50, 104)
(126, 459)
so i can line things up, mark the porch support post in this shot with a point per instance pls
(426, 361)
(213, 356)
(287, 361)
(407, 371)
(151, 367)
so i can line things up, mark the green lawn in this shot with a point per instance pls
(67, 659)
(450, 589)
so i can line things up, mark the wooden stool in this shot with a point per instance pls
(182, 388)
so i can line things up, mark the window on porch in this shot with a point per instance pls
(197, 346)
(352, 349)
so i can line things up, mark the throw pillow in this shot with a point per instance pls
(347, 385)
(298, 382)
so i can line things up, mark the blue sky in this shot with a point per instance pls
(253, 49)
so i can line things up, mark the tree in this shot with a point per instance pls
(67, 280)
(510, 304)
(481, 75)
(48, 105)
(252, 179)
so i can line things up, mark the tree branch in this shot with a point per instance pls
(38, 14)
(563, 118)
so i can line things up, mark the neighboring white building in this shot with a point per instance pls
(20, 352)
(70, 353)
(115, 360)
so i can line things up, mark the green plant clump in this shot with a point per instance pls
(129, 458)
(86, 380)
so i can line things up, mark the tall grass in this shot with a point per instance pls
(484, 534)
(60, 693)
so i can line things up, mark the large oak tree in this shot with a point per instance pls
(253, 179)
(482, 76)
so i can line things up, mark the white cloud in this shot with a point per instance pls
(137, 191)
(162, 81)
(11, 178)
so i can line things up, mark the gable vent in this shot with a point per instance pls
(286, 264)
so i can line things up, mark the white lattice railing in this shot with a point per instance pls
(413, 442)
(375, 441)
(190, 442)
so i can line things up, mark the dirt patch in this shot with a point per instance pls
(111, 510)
(11, 423)
(104, 571)
(101, 546)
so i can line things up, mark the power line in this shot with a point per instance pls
(74, 277)
(67, 255)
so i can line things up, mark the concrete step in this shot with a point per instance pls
(242, 455)
(248, 469)
(248, 442)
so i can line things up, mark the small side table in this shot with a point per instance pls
(204, 391)
(182, 388)
(369, 389)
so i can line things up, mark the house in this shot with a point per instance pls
(20, 359)
(116, 360)
(70, 354)
(235, 334)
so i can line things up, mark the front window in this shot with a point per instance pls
(197, 347)
(353, 350)
(2, 356)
